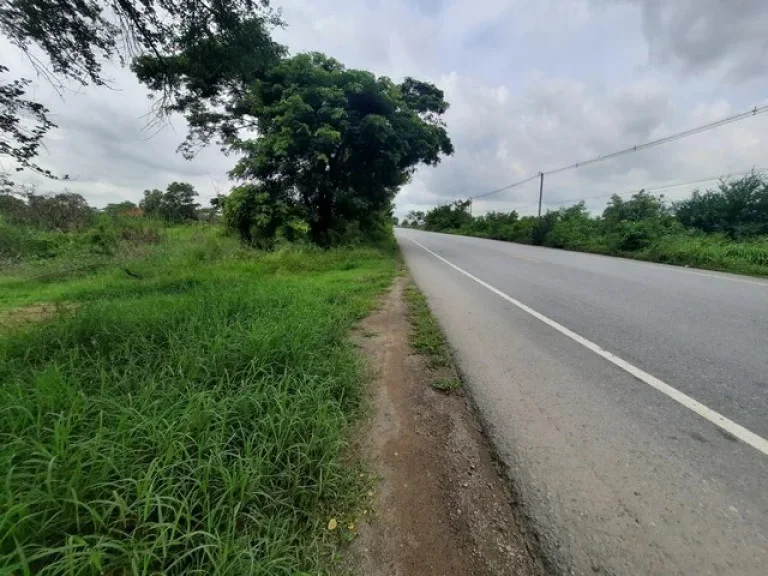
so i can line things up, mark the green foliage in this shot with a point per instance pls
(66, 211)
(574, 228)
(448, 217)
(496, 225)
(640, 207)
(338, 143)
(189, 422)
(24, 244)
(261, 214)
(415, 218)
(200, 56)
(713, 251)
(176, 204)
(23, 122)
(446, 384)
(738, 208)
(120, 208)
(18, 242)
(13, 207)
(699, 231)
(103, 238)
(426, 336)
(542, 227)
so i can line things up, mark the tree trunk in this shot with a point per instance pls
(320, 229)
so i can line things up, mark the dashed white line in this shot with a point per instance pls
(757, 442)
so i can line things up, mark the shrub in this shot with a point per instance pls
(738, 208)
(261, 213)
(451, 216)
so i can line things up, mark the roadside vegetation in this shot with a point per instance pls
(427, 338)
(177, 382)
(183, 406)
(721, 229)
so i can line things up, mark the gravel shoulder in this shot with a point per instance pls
(440, 505)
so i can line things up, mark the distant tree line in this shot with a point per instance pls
(176, 204)
(65, 211)
(735, 211)
(70, 212)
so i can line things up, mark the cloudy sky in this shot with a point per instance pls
(533, 85)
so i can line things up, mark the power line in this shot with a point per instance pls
(664, 186)
(722, 122)
(516, 184)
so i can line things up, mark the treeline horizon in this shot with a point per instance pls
(722, 228)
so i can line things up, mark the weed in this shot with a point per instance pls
(426, 337)
(191, 421)
(446, 384)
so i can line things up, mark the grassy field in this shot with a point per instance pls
(189, 418)
(710, 252)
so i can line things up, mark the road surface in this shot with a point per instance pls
(629, 400)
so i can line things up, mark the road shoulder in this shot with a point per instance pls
(440, 506)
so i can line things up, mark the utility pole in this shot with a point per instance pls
(541, 190)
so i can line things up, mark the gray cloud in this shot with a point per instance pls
(104, 144)
(698, 36)
(501, 139)
(532, 86)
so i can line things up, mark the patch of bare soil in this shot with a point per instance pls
(441, 508)
(30, 314)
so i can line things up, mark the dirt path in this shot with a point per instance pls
(441, 507)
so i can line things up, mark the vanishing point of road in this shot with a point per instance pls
(628, 400)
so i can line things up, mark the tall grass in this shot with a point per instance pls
(710, 251)
(190, 422)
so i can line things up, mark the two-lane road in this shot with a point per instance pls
(629, 400)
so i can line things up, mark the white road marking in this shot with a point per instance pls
(719, 277)
(657, 265)
(757, 442)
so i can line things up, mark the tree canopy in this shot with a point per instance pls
(448, 216)
(332, 145)
(335, 144)
(198, 55)
(737, 208)
(65, 211)
(176, 204)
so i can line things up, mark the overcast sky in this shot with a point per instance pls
(532, 84)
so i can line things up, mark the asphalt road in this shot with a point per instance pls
(629, 400)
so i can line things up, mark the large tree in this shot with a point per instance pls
(199, 55)
(176, 204)
(334, 145)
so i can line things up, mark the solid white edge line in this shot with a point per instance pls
(757, 442)
(724, 276)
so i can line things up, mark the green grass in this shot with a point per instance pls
(192, 421)
(426, 336)
(448, 384)
(710, 252)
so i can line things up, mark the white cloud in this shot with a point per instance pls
(556, 122)
(532, 86)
